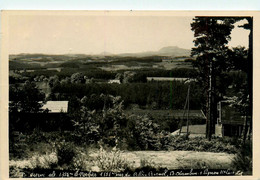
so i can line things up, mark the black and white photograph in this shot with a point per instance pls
(129, 94)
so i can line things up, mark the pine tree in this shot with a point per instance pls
(211, 51)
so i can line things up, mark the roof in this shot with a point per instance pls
(168, 79)
(56, 106)
(114, 81)
(193, 129)
(177, 114)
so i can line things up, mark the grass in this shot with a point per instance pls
(181, 153)
(115, 160)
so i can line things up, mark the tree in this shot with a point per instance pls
(86, 126)
(249, 26)
(128, 76)
(211, 51)
(24, 100)
(120, 77)
(113, 121)
(77, 78)
(243, 60)
(144, 133)
(27, 98)
(106, 123)
(54, 81)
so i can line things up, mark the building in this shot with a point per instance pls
(229, 122)
(53, 117)
(56, 106)
(169, 79)
(174, 114)
(116, 81)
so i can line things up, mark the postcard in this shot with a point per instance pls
(129, 94)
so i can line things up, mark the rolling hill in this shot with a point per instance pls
(173, 51)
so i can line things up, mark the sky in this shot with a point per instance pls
(83, 34)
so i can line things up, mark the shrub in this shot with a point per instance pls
(82, 162)
(144, 163)
(111, 160)
(36, 136)
(15, 172)
(193, 164)
(65, 152)
(200, 144)
(145, 134)
(243, 159)
(18, 150)
(17, 145)
(44, 161)
(37, 161)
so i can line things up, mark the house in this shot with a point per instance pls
(52, 118)
(169, 79)
(116, 81)
(55, 117)
(56, 106)
(229, 122)
(173, 114)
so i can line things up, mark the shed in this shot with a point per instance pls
(56, 106)
(230, 122)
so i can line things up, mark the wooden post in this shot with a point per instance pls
(188, 97)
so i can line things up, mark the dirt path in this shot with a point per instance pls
(180, 159)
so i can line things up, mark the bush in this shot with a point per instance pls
(44, 161)
(111, 160)
(15, 172)
(17, 150)
(243, 159)
(37, 161)
(144, 163)
(66, 153)
(193, 164)
(82, 162)
(144, 134)
(36, 136)
(201, 144)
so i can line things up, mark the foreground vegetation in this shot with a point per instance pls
(32, 155)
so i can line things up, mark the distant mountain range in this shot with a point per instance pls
(172, 51)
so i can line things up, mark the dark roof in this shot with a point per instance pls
(177, 114)
(168, 79)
